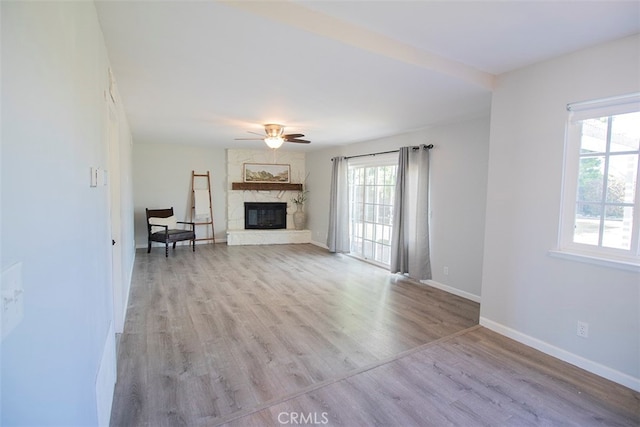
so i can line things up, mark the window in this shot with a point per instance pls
(601, 201)
(372, 181)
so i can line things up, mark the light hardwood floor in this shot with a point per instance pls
(290, 334)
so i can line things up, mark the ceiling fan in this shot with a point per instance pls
(275, 136)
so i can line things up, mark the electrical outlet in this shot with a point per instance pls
(446, 271)
(583, 329)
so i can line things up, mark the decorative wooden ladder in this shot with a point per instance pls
(201, 177)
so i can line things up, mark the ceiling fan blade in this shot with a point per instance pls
(275, 129)
(292, 136)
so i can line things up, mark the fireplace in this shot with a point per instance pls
(265, 216)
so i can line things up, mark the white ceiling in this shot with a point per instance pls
(206, 72)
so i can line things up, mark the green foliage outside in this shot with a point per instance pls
(591, 187)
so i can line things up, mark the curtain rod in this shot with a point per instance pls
(416, 147)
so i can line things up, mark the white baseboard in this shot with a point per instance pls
(451, 290)
(106, 379)
(579, 361)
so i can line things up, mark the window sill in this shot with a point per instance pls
(596, 260)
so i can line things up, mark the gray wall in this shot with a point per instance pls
(458, 192)
(527, 294)
(162, 178)
(58, 364)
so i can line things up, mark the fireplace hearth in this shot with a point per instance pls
(265, 216)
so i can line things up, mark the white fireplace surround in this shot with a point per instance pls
(236, 234)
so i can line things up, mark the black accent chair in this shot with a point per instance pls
(161, 228)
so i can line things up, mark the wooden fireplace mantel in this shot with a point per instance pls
(265, 186)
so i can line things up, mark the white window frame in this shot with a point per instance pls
(378, 160)
(567, 248)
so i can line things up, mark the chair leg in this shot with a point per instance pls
(149, 248)
(166, 250)
(193, 242)
(174, 245)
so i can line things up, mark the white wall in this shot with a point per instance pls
(54, 73)
(458, 192)
(162, 178)
(526, 293)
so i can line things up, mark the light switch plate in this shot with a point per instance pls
(102, 178)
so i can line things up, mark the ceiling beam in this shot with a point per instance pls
(301, 17)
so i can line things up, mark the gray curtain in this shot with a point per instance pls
(410, 235)
(338, 236)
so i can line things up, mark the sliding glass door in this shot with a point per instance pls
(372, 181)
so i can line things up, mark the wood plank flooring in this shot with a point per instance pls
(473, 378)
(269, 335)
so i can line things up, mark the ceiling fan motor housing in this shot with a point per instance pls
(274, 130)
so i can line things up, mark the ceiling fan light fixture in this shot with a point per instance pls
(274, 141)
(275, 136)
